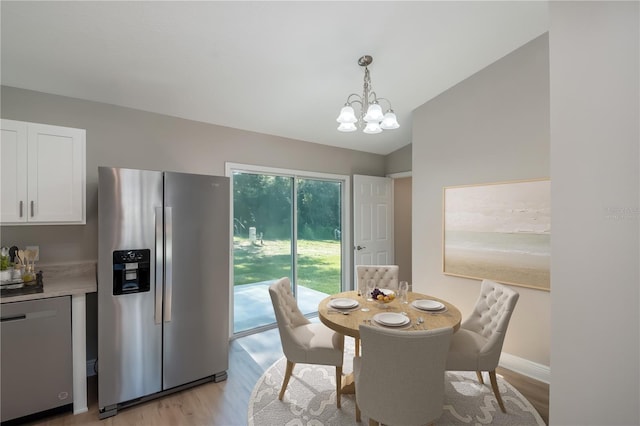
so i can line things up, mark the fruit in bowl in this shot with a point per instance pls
(383, 295)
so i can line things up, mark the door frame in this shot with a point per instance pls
(347, 244)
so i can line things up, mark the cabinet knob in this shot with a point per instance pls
(31, 208)
(20, 208)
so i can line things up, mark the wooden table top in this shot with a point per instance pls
(349, 324)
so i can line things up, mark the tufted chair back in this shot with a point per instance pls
(302, 340)
(385, 276)
(491, 314)
(288, 317)
(477, 345)
(285, 306)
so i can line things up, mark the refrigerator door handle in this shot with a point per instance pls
(159, 265)
(168, 263)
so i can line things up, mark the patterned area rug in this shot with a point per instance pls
(310, 400)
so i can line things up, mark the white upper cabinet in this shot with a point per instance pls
(13, 160)
(43, 174)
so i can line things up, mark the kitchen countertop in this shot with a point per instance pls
(63, 279)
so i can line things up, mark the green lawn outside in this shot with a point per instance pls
(318, 262)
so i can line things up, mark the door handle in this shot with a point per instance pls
(31, 208)
(159, 265)
(168, 262)
(20, 208)
(360, 248)
(13, 318)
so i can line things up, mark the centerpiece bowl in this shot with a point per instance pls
(383, 296)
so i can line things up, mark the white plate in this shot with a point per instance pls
(428, 305)
(391, 319)
(343, 303)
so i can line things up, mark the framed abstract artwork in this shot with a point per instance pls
(499, 231)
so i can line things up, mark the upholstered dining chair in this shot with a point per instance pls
(477, 345)
(400, 376)
(385, 276)
(304, 342)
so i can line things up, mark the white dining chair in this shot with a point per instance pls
(400, 376)
(385, 276)
(304, 342)
(477, 345)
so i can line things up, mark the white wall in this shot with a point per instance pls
(595, 119)
(492, 127)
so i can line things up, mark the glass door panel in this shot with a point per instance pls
(262, 244)
(318, 241)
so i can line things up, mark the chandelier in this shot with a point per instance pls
(370, 109)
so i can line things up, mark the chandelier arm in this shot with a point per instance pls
(375, 97)
(388, 101)
(357, 101)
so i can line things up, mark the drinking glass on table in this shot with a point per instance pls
(403, 290)
(371, 285)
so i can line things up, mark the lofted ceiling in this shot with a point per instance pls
(280, 68)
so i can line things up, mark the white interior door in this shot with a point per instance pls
(373, 220)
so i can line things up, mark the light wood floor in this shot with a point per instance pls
(536, 392)
(226, 403)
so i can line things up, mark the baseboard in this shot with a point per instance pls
(525, 367)
(522, 366)
(91, 371)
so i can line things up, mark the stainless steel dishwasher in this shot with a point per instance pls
(36, 362)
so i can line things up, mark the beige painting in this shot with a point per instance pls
(499, 231)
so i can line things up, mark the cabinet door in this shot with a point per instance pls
(13, 167)
(56, 174)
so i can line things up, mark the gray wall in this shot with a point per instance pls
(492, 127)
(123, 137)
(399, 161)
(402, 241)
(595, 122)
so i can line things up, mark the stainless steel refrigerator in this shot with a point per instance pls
(163, 283)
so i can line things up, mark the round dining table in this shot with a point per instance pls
(348, 321)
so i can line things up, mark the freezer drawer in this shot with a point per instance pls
(36, 362)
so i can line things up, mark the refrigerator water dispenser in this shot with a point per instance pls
(131, 271)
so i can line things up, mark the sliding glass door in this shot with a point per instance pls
(285, 224)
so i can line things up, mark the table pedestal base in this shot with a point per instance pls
(348, 384)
